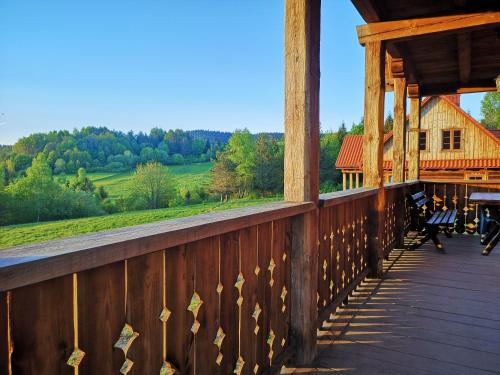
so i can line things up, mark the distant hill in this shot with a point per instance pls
(99, 149)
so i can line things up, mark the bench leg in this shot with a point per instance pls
(492, 243)
(433, 232)
(447, 232)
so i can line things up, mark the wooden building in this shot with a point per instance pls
(453, 146)
(249, 290)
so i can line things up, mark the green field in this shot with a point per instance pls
(185, 176)
(14, 235)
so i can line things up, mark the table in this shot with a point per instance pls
(490, 201)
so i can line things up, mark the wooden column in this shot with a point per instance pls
(413, 151)
(302, 77)
(344, 181)
(351, 185)
(357, 180)
(373, 148)
(399, 131)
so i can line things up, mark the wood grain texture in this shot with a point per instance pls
(464, 56)
(373, 140)
(206, 280)
(42, 327)
(413, 133)
(229, 308)
(411, 28)
(5, 340)
(302, 76)
(101, 317)
(399, 136)
(144, 306)
(30, 264)
(180, 271)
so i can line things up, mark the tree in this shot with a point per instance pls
(241, 151)
(388, 123)
(152, 185)
(358, 129)
(490, 109)
(81, 182)
(268, 166)
(330, 144)
(224, 177)
(35, 195)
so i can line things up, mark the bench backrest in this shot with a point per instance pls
(419, 199)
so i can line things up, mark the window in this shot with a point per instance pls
(452, 139)
(422, 141)
(476, 176)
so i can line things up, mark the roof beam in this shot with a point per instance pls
(454, 88)
(464, 56)
(412, 28)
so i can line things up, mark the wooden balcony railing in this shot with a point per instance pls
(204, 295)
(210, 294)
(455, 195)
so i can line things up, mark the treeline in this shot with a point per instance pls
(103, 150)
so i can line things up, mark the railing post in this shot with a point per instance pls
(399, 132)
(302, 77)
(373, 149)
(413, 150)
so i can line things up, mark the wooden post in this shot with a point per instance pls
(373, 149)
(399, 131)
(413, 151)
(344, 181)
(357, 180)
(351, 186)
(302, 78)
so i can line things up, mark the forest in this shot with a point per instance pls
(47, 176)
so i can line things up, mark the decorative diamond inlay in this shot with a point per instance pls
(220, 287)
(240, 280)
(195, 327)
(271, 267)
(127, 337)
(283, 294)
(127, 366)
(219, 338)
(284, 257)
(76, 358)
(195, 304)
(165, 314)
(218, 360)
(270, 341)
(167, 369)
(256, 312)
(257, 270)
(283, 342)
(239, 366)
(256, 369)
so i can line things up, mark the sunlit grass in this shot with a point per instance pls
(14, 235)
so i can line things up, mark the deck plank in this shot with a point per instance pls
(432, 314)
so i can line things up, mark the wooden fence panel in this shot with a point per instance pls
(42, 327)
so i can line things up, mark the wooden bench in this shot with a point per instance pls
(428, 222)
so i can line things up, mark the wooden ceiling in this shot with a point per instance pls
(458, 61)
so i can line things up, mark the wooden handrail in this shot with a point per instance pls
(339, 197)
(30, 264)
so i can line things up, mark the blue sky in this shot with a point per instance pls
(134, 65)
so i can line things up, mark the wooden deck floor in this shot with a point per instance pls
(433, 314)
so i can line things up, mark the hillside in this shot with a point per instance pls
(15, 235)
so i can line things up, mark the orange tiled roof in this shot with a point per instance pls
(453, 164)
(351, 151)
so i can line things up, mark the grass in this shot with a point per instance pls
(185, 176)
(15, 235)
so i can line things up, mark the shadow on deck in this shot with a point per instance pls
(432, 314)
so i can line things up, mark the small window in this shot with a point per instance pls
(422, 141)
(452, 139)
(457, 138)
(446, 139)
